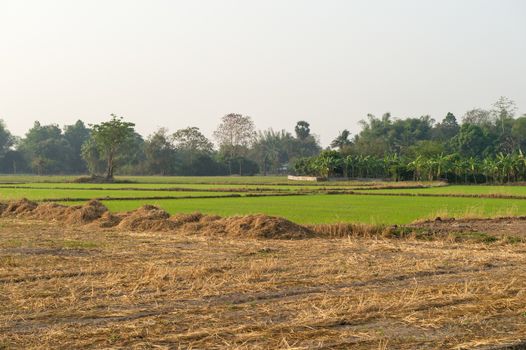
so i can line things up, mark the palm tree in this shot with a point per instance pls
(271, 149)
(341, 140)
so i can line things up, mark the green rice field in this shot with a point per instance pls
(462, 189)
(313, 209)
(42, 194)
(306, 203)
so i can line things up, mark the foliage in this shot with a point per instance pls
(46, 149)
(91, 155)
(76, 135)
(234, 135)
(302, 130)
(454, 167)
(110, 137)
(342, 140)
(410, 148)
(160, 153)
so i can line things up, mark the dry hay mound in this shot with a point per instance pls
(152, 218)
(80, 214)
(89, 212)
(257, 226)
(182, 219)
(147, 218)
(18, 208)
(108, 220)
(49, 211)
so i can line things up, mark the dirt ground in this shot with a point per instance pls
(506, 227)
(83, 287)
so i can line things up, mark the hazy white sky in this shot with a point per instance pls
(187, 63)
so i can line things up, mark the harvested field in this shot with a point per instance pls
(81, 286)
(152, 218)
(507, 227)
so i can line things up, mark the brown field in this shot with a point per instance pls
(86, 287)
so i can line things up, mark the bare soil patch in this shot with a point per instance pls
(498, 227)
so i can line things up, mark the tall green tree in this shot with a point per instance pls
(503, 110)
(7, 140)
(191, 146)
(234, 135)
(110, 137)
(272, 150)
(447, 129)
(76, 135)
(477, 116)
(160, 153)
(46, 149)
(518, 132)
(471, 141)
(305, 144)
(302, 130)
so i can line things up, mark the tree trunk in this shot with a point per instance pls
(109, 170)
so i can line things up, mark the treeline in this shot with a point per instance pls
(453, 168)
(115, 147)
(486, 147)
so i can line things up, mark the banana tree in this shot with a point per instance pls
(506, 168)
(328, 162)
(441, 164)
(349, 163)
(417, 165)
(473, 165)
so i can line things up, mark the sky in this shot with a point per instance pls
(187, 63)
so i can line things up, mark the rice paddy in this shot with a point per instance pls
(303, 203)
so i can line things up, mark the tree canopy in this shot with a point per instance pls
(109, 137)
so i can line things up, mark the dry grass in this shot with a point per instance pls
(80, 287)
(350, 230)
(470, 213)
